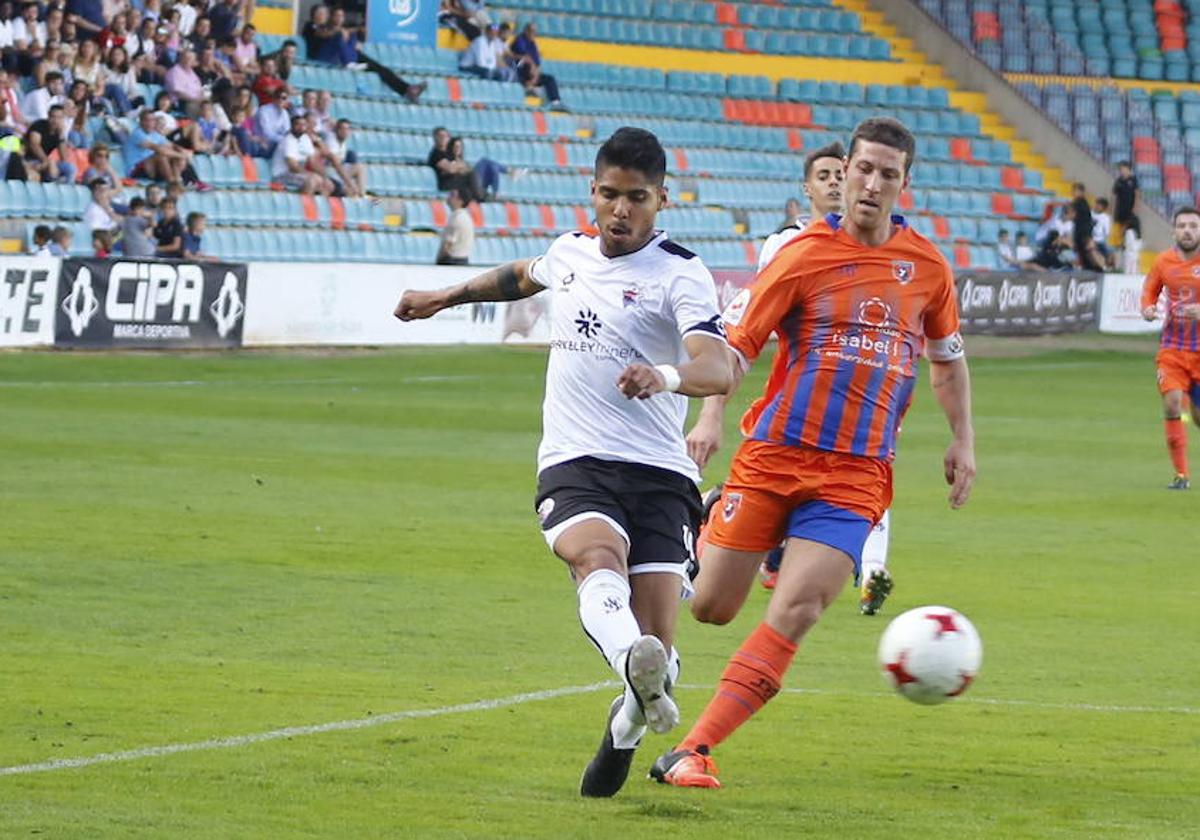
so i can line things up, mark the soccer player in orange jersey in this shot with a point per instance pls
(1178, 360)
(856, 300)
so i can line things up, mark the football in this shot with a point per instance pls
(930, 654)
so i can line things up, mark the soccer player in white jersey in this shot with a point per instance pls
(635, 331)
(823, 178)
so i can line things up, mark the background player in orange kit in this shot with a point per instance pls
(855, 301)
(1178, 360)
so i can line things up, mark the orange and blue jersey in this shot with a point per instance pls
(852, 321)
(1180, 276)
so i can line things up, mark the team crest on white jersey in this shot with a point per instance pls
(631, 297)
(729, 509)
(904, 271)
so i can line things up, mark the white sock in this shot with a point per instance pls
(875, 550)
(606, 616)
(629, 724)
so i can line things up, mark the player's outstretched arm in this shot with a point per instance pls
(510, 281)
(704, 440)
(706, 372)
(951, 383)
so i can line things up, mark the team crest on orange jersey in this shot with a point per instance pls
(904, 271)
(732, 502)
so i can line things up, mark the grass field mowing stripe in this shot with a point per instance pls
(298, 731)
(514, 700)
(192, 383)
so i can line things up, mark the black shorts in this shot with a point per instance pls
(657, 511)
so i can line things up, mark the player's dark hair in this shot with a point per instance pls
(833, 150)
(889, 132)
(1184, 211)
(636, 149)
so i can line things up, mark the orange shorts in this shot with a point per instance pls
(1179, 370)
(774, 491)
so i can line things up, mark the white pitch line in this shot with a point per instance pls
(993, 701)
(298, 731)
(513, 700)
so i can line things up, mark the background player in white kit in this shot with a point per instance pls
(824, 173)
(635, 330)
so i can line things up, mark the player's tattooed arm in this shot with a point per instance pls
(510, 281)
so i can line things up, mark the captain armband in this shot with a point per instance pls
(948, 349)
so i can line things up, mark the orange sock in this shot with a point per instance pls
(751, 678)
(1177, 444)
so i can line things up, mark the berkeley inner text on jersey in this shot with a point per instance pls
(595, 348)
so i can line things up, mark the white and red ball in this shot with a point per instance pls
(930, 654)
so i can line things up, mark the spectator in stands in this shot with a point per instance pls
(351, 174)
(458, 236)
(183, 84)
(175, 191)
(1125, 195)
(792, 210)
(345, 39)
(215, 138)
(7, 16)
(29, 40)
(487, 171)
(246, 139)
(56, 58)
(246, 51)
(295, 160)
(1049, 256)
(226, 17)
(452, 174)
(529, 65)
(320, 118)
(41, 242)
(487, 57)
(268, 83)
(115, 34)
(136, 229)
(184, 134)
(202, 34)
(88, 16)
(274, 120)
(1004, 251)
(44, 138)
(285, 59)
(100, 214)
(168, 233)
(1102, 230)
(15, 118)
(149, 154)
(188, 15)
(119, 81)
(87, 67)
(193, 236)
(1082, 229)
(154, 199)
(102, 244)
(78, 108)
(1131, 255)
(411, 92)
(39, 100)
(216, 77)
(464, 16)
(60, 241)
(100, 166)
(316, 33)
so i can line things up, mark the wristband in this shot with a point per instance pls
(671, 374)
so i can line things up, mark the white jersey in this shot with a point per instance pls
(780, 238)
(608, 313)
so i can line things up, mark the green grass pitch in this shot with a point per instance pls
(197, 547)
